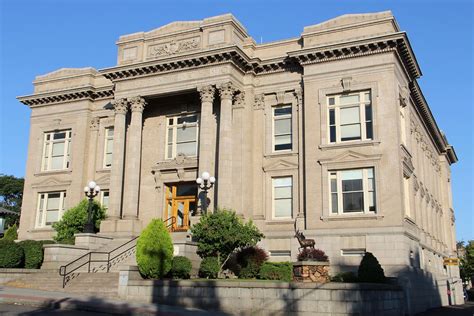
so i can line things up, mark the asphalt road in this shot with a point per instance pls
(24, 310)
(462, 310)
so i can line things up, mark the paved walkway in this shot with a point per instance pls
(47, 301)
(459, 310)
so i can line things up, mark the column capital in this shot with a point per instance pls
(137, 104)
(94, 123)
(239, 100)
(299, 96)
(207, 93)
(259, 102)
(120, 106)
(226, 90)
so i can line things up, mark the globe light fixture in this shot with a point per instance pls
(205, 183)
(91, 191)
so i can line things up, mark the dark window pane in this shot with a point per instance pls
(369, 131)
(334, 203)
(332, 131)
(331, 101)
(282, 111)
(283, 147)
(352, 185)
(186, 190)
(353, 202)
(332, 118)
(368, 113)
(187, 119)
(333, 185)
(59, 135)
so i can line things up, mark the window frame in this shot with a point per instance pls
(105, 153)
(175, 126)
(48, 146)
(102, 195)
(274, 217)
(336, 107)
(41, 214)
(282, 117)
(340, 193)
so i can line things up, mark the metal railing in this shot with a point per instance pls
(108, 257)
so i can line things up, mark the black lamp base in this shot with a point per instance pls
(89, 228)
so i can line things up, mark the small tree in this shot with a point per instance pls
(221, 233)
(75, 218)
(370, 270)
(466, 260)
(154, 250)
(11, 233)
(11, 195)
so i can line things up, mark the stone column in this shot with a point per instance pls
(300, 216)
(238, 185)
(116, 173)
(257, 159)
(206, 138)
(94, 127)
(224, 175)
(133, 156)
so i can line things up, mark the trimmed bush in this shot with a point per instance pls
(348, 277)
(75, 218)
(209, 268)
(370, 270)
(311, 254)
(154, 250)
(11, 233)
(33, 253)
(281, 271)
(11, 254)
(181, 267)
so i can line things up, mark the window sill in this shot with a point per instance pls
(104, 170)
(282, 153)
(46, 173)
(351, 217)
(350, 144)
(42, 229)
(285, 221)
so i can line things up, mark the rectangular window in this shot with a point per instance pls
(350, 117)
(282, 139)
(50, 208)
(56, 150)
(104, 198)
(352, 191)
(352, 252)
(282, 197)
(108, 146)
(182, 136)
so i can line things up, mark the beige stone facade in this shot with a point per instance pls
(329, 129)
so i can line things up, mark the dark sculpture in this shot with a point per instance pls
(304, 243)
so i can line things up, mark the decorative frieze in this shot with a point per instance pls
(174, 47)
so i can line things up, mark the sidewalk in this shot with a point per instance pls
(66, 301)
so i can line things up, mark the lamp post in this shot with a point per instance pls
(205, 182)
(91, 191)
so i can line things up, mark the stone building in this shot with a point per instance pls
(328, 129)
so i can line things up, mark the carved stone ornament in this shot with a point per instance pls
(299, 96)
(280, 96)
(137, 104)
(416, 185)
(174, 47)
(120, 106)
(207, 93)
(346, 83)
(259, 102)
(94, 123)
(404, 95)
(226, 91)
(239, 102)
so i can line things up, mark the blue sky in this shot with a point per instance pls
(37, 37)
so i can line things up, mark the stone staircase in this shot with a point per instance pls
(104, 285)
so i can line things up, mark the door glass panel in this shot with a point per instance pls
(186, 190)
(180, 214)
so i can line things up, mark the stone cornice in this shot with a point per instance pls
(67, 95)
(427, 117)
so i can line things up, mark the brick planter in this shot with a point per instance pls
(311, 271)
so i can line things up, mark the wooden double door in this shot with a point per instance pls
(181, 203)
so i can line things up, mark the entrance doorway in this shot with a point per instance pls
(181, 203)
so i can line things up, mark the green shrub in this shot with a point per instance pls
(276, 271)
(209, 268)
(370, 270)
(33, 253)
(75, 218)
(248, 262)
(181, 267)
(154, 250)
(11, 254)
(221, 233)
(311, 254)
(348, 277)
(11, 233)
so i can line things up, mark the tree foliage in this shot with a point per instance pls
(467, 260)
(11, 233)
(75, 218)
(221, 233)
(154, 250)
(11, 254)
(11, 195)
(209, 268)
(181, 267)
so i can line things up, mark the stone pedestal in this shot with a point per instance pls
(121, 227)
(311, 271)
(91, 241)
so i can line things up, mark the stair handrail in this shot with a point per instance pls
(63, 269)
